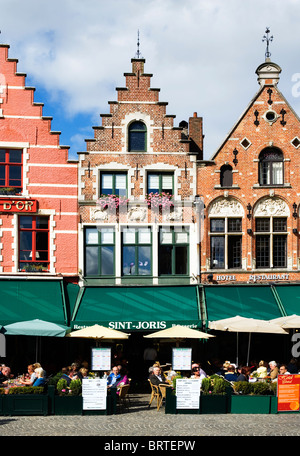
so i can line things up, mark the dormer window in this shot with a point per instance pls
(137, 137)
(271, 167)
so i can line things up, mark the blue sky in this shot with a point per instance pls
(203, 56)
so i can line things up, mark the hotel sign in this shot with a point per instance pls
(24, 206)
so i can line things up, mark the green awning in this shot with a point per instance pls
(289, 296)
(23, 300)
(253, 301)
(137, 308)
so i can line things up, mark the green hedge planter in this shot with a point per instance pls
(208, 404)
(240, 404)
(24, 404)
(214, 404)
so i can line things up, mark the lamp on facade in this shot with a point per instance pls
(295, 231)
(295, 215)
(235, 160)
(249, 231)
(249, 209)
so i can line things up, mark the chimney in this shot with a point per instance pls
(196, 135)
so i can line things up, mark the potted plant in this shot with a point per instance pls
(214, 395)
(68, 400)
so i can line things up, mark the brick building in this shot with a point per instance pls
(138, 224)
(38, 208)
(250, 188)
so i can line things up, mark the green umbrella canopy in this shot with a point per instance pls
(36, 328)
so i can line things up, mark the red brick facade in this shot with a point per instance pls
(37, 181)
(169, 152)
(260, 183)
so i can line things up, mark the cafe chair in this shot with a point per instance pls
(123, 398)
(155, 394)
(162, 389)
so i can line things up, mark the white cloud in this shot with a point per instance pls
(203, 54)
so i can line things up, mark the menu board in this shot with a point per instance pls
(94, 392)
(188, 393)
(101, 359)
(288, 393)
(182, 359)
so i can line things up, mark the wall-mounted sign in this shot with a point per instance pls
(259, 277)
(24, 206)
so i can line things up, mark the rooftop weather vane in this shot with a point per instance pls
(268, 40)
(138, 53)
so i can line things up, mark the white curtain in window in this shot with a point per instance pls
(277, 169)
(121, 181)
(167, 182)
(107, 181)
(153, 181)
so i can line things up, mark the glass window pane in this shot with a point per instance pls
(217, 225)
(234, 251)
(137, 141)
(279, 224)
(91, 236)
(106, 184)
(41, 240)
(15, 176)
(279, 251)
(153, 183)
(166, 236)
(128, 236)
(107, 260)
(217, 252)
(181, 237)
(25, 221)
(167, 183)
(128, 267)
(144, 235)
(26, 240)
(181, 260)
(15, 156)
(262, 224)
(107, 235)
(234, 225)
(2, 175)
(277, 173)
(120, 180)
(42, 222)
(91, 261)
(144, 260)
(2, 155)
(165, 260)
(262, 251)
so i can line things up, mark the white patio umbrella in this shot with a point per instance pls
(177, 333)
(98, 332)
(287, 322)
(240, 324)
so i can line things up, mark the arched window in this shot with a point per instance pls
(137, 137)
(226, 176)
(271, 167)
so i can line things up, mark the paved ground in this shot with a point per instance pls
(142, 421)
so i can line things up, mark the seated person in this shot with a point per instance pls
(262, 370)
(66, 375)
(6, 375)
(231, 375)
(40, 379)
(32, 376)
(123, 380)
(157, 377)
(114, 377)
